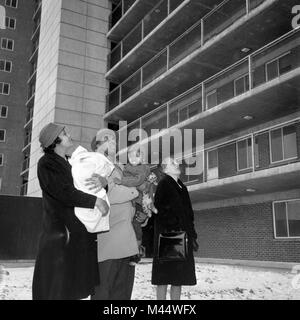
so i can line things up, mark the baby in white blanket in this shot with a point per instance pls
(84, 165)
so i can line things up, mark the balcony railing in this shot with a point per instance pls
(32, 76)
(263, 149)
(24, 189)
(27, 140)
(37, 9)
(119, 11)
(25, 165)
(210, 25)
(36, 32)
(159, 13)
(270, 62)
(266, 64)
(254, 152)
(29, 116)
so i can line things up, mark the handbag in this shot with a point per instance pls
(172, 246)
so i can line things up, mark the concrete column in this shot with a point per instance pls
(71, 85)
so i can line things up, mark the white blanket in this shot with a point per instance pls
(84, 164)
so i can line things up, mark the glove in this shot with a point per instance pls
(195, 245)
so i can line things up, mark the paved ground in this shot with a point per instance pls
(214, 282)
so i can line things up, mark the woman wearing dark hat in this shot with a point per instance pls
(175, 213)
(66, 266)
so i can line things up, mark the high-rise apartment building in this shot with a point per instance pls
(15, 51)
(70, 79)
(229, 67)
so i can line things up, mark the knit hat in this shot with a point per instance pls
(49, 133)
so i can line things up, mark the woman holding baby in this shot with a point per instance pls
(66, 266)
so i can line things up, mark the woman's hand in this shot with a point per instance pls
(96, 183)
(102, 206)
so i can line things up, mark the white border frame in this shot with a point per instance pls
(13, 44)
(270, 146)
(15, 23)
(10, 6)
(7, 61)
(5, 94)
(3, 106)
(286, 213)
(4, 130)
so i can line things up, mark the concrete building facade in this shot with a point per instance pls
(232, 69)
(229, 67)
(14, 72)
(70, 85)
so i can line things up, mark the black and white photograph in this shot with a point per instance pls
(149, 151)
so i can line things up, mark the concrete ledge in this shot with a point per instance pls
(249, 263)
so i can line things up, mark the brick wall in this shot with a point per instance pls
(243, 233)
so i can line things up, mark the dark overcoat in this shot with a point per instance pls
(66, 266)
(175, 213)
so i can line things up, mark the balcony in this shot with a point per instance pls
(274, 152)
(200, 53)
(164, 23)
(34, 54)
(37, 10)
(29, 117)
(259, 162)
(24, 189)
(126, 15)
(32, 77)
(25, 166)
(258, 88)
(36, 32)
(27, 142)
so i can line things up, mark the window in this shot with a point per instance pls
(0, 183)
(1, 159)
(7, 44)
(211, 99)
(286, 215)
(11, 3)
(5, 65)
(2, 135)
(283, 144)
(3, 111)
(244, 154)
(241, 85)
(278, 66)
(4, 88)
(10, 23)
(212, 165)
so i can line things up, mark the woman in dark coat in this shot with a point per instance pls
(175, 213)
(66, 266)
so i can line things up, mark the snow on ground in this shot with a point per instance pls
(220, 282)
